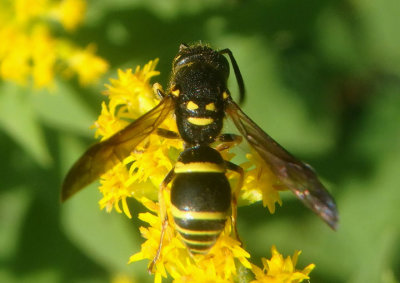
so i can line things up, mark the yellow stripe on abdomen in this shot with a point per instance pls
(199, 242)
(199, 167)
(210, 233)
(198, 215)
(199, 230)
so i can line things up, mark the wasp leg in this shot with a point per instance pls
(233, 167)
(162, 133)
(228, 141)
(163, 216)
(158, 90)
(167, 134)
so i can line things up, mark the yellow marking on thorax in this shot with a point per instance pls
(210, 106)
(200, 121)
(175, 91)
(198, 215)
(225, 95)
(192, 106)
(204, 167)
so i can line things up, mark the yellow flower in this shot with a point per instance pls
(278, 269)
(70, 13)
(140, 174)
(26, 10)
(130, 97)
(86, 64)
(43, 60)
(131, 92)
(30, 52)
(218, 265)
(14, 56)
(259, 183)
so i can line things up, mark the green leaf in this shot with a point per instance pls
(64, 109)
(107, 238)
(18, 119)
(14, 205)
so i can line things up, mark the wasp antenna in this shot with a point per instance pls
(238, 75)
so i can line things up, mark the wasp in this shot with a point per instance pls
(201, 196)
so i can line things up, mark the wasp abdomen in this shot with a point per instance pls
(200, 197)
(200, 207)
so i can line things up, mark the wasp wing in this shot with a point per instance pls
(294, 174)
(102, 156)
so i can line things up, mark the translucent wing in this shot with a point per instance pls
(101, 157)
(296, 175)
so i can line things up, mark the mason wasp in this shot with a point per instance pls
(201, 196)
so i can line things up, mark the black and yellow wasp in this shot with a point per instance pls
(201, 196)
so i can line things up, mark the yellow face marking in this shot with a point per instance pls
(199, 167)
(200, 121)
(175, 91)
(202, 215)
(225, 95)
(210, 106)
(192, 106)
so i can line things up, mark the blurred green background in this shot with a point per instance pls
(323, 78)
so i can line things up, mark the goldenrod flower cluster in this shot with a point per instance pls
(140, 174)
(29, 50)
